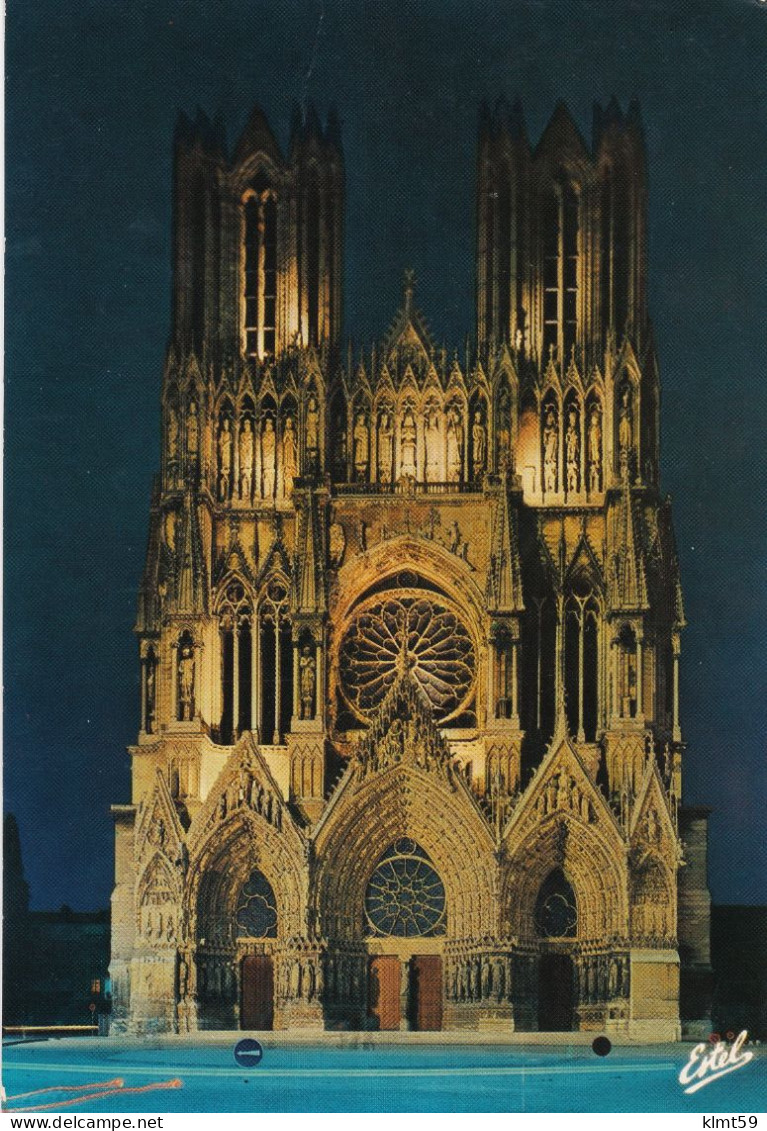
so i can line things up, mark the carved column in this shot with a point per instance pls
(235, 678)
(559, 657)
(492, 707)
(319, 690)
(277, 678)
(144, 666)
(581, 627)
(539, 667)
(255, 677)
(296, 688)
(614, 691)
(640, 675)
(404, 996)
(174, 682)
(514, 683)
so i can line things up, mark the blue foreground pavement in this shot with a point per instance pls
(370, 1078)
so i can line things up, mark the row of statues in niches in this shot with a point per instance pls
(581, 465)
(254, 456)
(431, 445)
(258, 457)
(571, 474)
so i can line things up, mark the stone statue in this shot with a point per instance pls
(502, 430)
(652, 826)
(385, 449)
(246, 459)
(432, 445)
(361, 447)
(183, 978)
(595, 449)
(487, 978)
(407, 444)
(289, 456)
(454, 445)
(338, 444)
(550, 449)
(572, 450)
(186, 683)
(479, 443)
(625, 426)
(150, 691)
(268, 448)
(225, 459)
(308, 682)
(312, 429)
(192, 431)
(170, 530)
(172, 435)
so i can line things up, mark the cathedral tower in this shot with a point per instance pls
(409, 628)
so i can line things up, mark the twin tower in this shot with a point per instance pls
(561, 238)
(410, 751)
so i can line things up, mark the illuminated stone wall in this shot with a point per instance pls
(397, 597)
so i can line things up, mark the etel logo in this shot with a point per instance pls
(703, 1069)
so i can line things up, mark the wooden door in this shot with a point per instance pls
(426, 991)
(257, 992)
(384, 991)
(555, 993)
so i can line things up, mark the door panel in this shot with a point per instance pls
(426, 991)
(257, 992)
(384, 991)
(555, 993)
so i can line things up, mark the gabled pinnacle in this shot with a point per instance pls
(403, 730)
(560, 133)
(505, 574)
(257, 137)
(561, 730)
(632, 578)
(191, 583)
(310, 596)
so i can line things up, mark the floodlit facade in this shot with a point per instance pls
(410, 752)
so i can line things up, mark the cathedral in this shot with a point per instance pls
(410, 753)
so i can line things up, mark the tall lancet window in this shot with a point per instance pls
(260, 275)
(275, 665)
(560, 272)
(236, 662)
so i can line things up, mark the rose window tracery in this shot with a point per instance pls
(412, 631)
(556, 912)
(256, 914)
(405, 897)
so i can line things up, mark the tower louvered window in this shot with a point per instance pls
(560, 272)
(260, 276)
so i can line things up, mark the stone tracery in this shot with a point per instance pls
(418, 633)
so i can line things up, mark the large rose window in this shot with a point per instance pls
(405, 897)
(408, 631)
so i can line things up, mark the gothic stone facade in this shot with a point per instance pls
(410, 752)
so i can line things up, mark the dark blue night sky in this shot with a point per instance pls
(93, 90)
